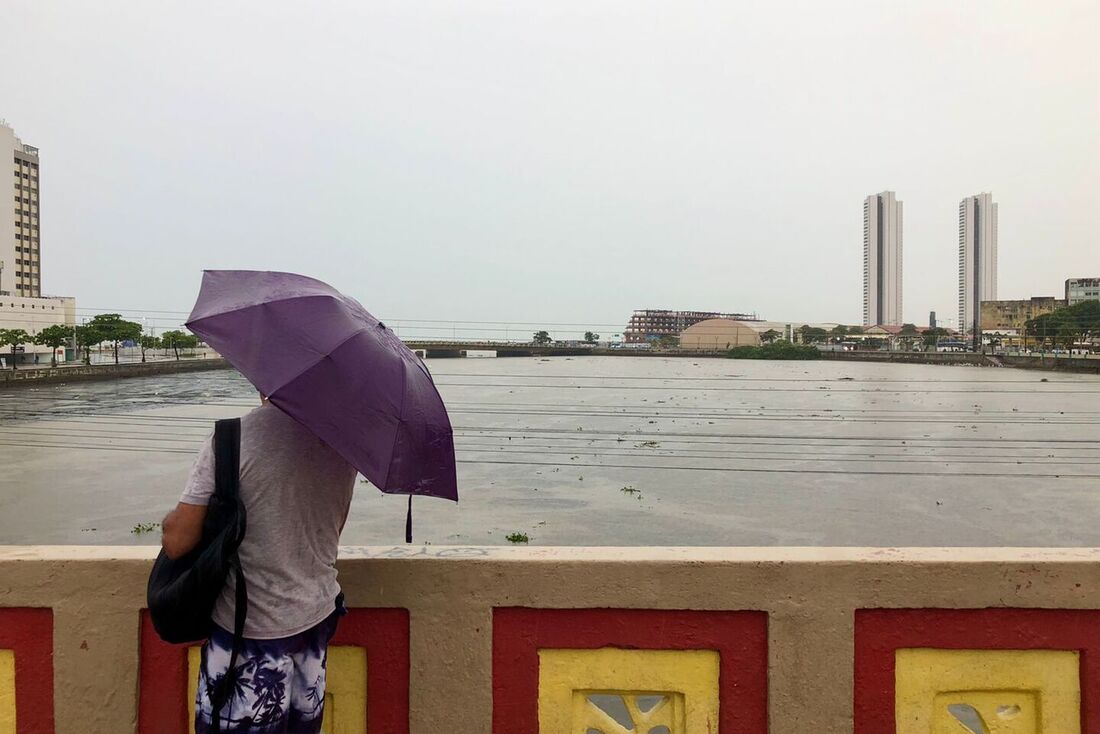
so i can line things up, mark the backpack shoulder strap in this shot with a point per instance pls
(227, 458)
(227, 479)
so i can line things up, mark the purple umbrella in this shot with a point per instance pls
(326, 362)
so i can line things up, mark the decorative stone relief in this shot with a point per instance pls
(988, 691)
(615, 691)
(630, 712)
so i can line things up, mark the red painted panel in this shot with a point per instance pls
(29, 633)
(162, 682)
(881, 632)
(740, 637)
(384, 633)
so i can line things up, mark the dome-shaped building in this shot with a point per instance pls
(718, 335)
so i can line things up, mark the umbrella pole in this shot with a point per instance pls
(409, 522)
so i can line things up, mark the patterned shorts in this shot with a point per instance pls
(280, 684)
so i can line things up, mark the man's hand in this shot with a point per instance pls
(181, 530)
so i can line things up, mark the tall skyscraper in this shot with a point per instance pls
(19, 251)
(882, 260)
(977, 260)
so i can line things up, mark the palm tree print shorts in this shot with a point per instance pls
(279, 687)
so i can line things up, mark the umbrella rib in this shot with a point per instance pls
(400, 419)
(328, 355)
(311, 365)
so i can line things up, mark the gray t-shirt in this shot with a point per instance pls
(297, 492)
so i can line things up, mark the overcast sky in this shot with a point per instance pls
(554, 161)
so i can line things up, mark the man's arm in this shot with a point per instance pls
(181, 530)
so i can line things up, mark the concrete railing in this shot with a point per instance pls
(554, 640)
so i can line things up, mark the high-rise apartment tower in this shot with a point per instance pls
(977, 260)
(21, 269)
(882, 260)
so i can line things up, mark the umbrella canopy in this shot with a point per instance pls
(325, 361)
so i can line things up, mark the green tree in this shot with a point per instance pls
(812, 334)
(769, 336)
(53, 337)
(177, 340)
(116, 329)
(908, 334)
(932, 336)
(855, 330)
(591, 337)
(1065, 325)
(148, 342)
(13, 338)
(780, 349)
(87, 336)
(668, 341)
(542, 338)
(1070, 324)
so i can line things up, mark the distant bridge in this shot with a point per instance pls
(437, 349)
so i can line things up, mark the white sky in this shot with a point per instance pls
(558, 161)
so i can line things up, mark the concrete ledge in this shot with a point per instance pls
(57, 375)
(810, 597)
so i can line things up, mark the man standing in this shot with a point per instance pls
(297, 492)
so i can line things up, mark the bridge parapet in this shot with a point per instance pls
(494, 640)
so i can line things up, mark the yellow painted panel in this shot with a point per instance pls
(987, 691)
(7, 692)
(194, 660)
(345, 690)
(617, 691)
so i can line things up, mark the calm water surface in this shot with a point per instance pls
(622, 451)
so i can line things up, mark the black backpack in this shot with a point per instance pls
(182, 593)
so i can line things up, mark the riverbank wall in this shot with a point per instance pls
(1061, 364)
(79, 373)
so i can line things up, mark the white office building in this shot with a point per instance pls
(1079, 290)
(882, 260)
(977, 259)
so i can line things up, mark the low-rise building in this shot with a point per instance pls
(1012, 315)
(1079, 290)
(651, 324)
(32, 315)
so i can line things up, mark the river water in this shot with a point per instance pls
(621, 451)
